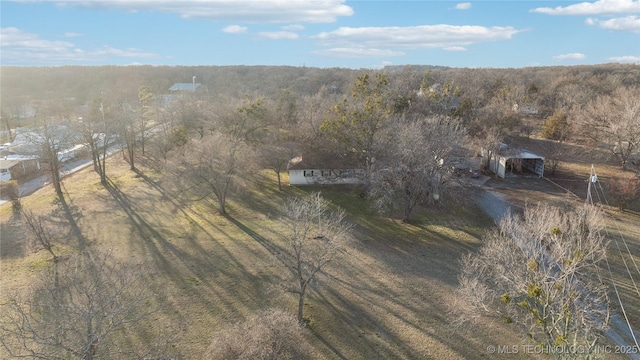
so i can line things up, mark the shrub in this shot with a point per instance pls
(273, 334)
(556, 127)
(12, 191)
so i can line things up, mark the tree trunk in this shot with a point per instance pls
(408, 208)
(279, 181)
(95, 158)
(131, 155)
(301, 304)
(222, 205)
(55, 179)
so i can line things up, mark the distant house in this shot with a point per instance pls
(179, 90)
(525, 110)
(324, 170)
(16, 167)
(513, 160)
(184, 87)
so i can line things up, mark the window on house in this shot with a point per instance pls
(308, 173)
(347, 173)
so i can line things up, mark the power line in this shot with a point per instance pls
(594, 179)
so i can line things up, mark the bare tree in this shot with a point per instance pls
(171, 132)
(613, 121)
(313, 111)
(127, 132)
(74, 311)
(94, 130)
(417, 164)
(541, 272)
(145, 96)
(273, 334)
(273, 152)
(50, 137)
(489, 140)
(212, 165)
(624, 190)
(276, 157)
(553, 152)
(314, 235)
(41, 235)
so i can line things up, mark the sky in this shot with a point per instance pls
(319, 33)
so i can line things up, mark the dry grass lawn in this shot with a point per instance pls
(387, 296)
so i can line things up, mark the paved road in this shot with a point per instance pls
(29, 187)
(496, 205)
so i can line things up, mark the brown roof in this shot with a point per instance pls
(8, 164)
(324, 161)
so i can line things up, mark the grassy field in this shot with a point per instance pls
(389, 295)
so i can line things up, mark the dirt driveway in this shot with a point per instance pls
(497, 197)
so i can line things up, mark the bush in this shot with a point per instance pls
(556, 127)
(12, 191)
(273, 334)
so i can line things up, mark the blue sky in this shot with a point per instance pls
(319, 33)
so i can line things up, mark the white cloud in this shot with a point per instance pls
(413, 37)
(19, 47)
(110, 51)
(292, 27)
(235, 29)
(463, 6)
(252, 11)
(353, 52)
(277, 35)
(599, 7)
(628, 23)
(455, 48)
(625, 59)
(572, 56)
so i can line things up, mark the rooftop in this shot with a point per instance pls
(184, 86)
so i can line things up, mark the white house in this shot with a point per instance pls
(327, 170)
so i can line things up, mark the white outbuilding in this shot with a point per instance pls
(509, 160)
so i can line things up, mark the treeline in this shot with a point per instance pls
(21, 85)
(265, 115)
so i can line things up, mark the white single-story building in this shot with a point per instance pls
(323, 171)
(515, 161)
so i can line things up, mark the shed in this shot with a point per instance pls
(324, 170)
(514, 161)
(17, 167)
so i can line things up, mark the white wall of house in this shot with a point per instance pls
(324, 177)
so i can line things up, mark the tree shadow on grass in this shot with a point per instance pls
(71, 214)
(272, 248)
(12, 242)
(147, 231)
(186, 266)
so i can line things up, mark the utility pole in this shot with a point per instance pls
(593, 178)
